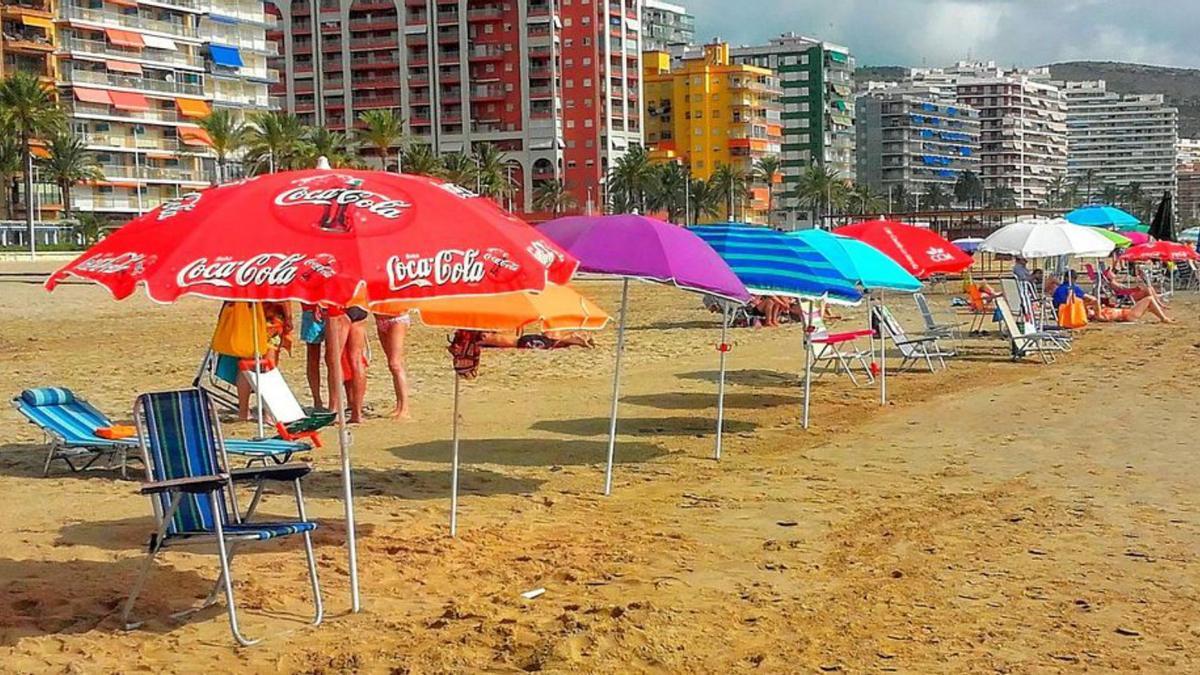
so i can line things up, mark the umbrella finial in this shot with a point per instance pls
(323, 162)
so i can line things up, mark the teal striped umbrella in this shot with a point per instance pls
(861, 262)
(773, 263)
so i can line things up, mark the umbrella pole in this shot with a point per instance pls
(723, 349)
(454, 467)
(808, 359)
(612, 422)
(257, 366)
(348, 497)
(883, 331)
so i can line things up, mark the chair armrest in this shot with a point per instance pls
(283, 472)
(909, 340)
(194, 484)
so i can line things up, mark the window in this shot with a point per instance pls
(587, 60)
(570, 83)
(570, 124)
(489, 28)
(588, 123)
(587, 81)
(567, 23)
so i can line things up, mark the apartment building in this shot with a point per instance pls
(910, 141)
(666, 25)
(706, 112)
(1187, 168)
(28, 38)
(1023, 125)
(136, 78)
(555, 84)
(1120, 139)
(817, 79)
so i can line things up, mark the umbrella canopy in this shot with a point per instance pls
(1190, 235)
(1047, 238)
(919, 250)
(555, 308)
(774, 263)
(1119, 239)
(861, 262)
(1134, 237)
(1102, 215)
(1162, 226)
(318, 236)
(1162, 251)
(639, 247)
(968, 244)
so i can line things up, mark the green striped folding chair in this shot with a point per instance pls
(192, 494)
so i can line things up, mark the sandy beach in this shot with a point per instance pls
(997, 516)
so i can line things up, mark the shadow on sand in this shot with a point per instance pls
(752, 377)
(529, 451)
(643, 426)
(705, 401)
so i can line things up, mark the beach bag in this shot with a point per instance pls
(235, 331)
(1072, 314)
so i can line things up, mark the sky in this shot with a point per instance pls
(940, 32)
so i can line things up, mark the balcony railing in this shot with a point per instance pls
(138, 142)
(137, 22)
(102, 48)
(148, 172)
(153, 115)
(100, 77)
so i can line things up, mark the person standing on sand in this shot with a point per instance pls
(312, 332)
(392, 329)
(345, 349)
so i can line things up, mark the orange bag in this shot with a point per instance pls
(116, 431)
(1072, 313)
(236, 329)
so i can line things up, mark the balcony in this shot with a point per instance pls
(138, 142)
(152, 173)
(38, 8)
(378, 82)
(487, 94)
(447, 18)
(151, 84)
(27, 41)
(541, 92)
(486, 53)
(186, 5)
(484, 14)
(103, 48)
(374, 43)
(80, 109)
(136, 22)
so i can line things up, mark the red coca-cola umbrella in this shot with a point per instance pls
(919, 250)
(1160, 251)
(323, 236)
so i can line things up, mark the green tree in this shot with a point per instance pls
(819, 190)
(420, 160)
(1089, 179)
(631, 181)
(1110, 194)
(68, 164)
(731, 183)
(766, 170)
(459, 168)
(670, 191)
(90, 228)
(276, 142)
(863, 198)
(334, 146)
(705, 200)
(11, 159)
(382, 129)
(968, 189)
(28, 111)
(228, 136)
(936, 197)
(491, 171)
(1002, 197)
(553, 196)
(1058, 192)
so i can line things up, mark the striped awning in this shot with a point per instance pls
(123, 67)
(772, 263)
(124, 38)
(128, 100)
(92, 95)
(194, 136)
(190, 107)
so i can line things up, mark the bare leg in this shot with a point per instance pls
(391, 336)
(243, 391)
(313, 371)
(356, 347)
(337, 332)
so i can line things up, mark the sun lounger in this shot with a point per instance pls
(191, 489)
(932, 327)
(835, 351)
(1023, 342)
(913, 349)
(292, 423)
(70, 424)
(1028, 318)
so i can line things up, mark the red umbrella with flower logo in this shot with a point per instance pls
(325, 236)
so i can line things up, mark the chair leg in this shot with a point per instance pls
(49, 459)
(223, 555)
(148, 564)
(318, 605)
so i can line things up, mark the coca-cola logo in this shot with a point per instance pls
(178, 205)
(458, 190)
(451, 266)
(266, 269)
(939, 254)
(110, 263)
(542, 252)
(371, 202)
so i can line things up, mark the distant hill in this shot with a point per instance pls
(1179, 86)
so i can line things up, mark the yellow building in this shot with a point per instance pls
(706, 112)
(28, 41)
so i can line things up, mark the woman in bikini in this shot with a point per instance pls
(345, 349)
(392, 329)
(1150, 304)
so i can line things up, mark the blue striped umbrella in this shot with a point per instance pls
(857, 260)
(773, 263)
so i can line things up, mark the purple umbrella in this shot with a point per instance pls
(631, 246)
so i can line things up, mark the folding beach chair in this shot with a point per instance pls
(291, 422)
(1025, 341)
(835, 351)
(932, 327)
(977, 309)
(191, 491)
(1032, 317)
(912, 349)
(70, 424)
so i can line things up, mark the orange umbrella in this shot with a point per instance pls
(555, 308)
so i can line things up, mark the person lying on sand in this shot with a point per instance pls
(554, 340)
(1147, 305)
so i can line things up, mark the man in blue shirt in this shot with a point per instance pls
(1064, 289)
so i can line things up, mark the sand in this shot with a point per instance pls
(996, 516)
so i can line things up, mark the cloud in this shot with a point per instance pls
(938, 32)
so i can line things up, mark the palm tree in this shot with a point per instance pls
(1058, 191)
(332, 145)
(275, 141)
(1135, 200)
(28, 111)
(766, 169)
(865, 198)
(1110, 194)
(705, 199)
(816, 189)
(11, 159)
(382, 129)
(228, 136)
(420, 160)
(731, 182)
(1003, 197)
(1088, 176)
(936, 197)
(458, 167)
(90, 228)
(968, 189)
(631, 181)
(670, 190)
(491, 172)
(553, 196)
(68, 164)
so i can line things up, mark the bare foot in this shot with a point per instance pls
(400, 413)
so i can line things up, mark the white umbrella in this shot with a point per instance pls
(1047, 238)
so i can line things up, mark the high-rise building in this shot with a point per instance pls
(707, 112)
(910, 141)
(666, 25)
(1187, 169)
(136, 77)
(1187, 151)
(28, 38)
(1120, 139)
(555, 85)
(817, 78)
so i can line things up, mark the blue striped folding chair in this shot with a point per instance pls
(70, 423)
(193, 498)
